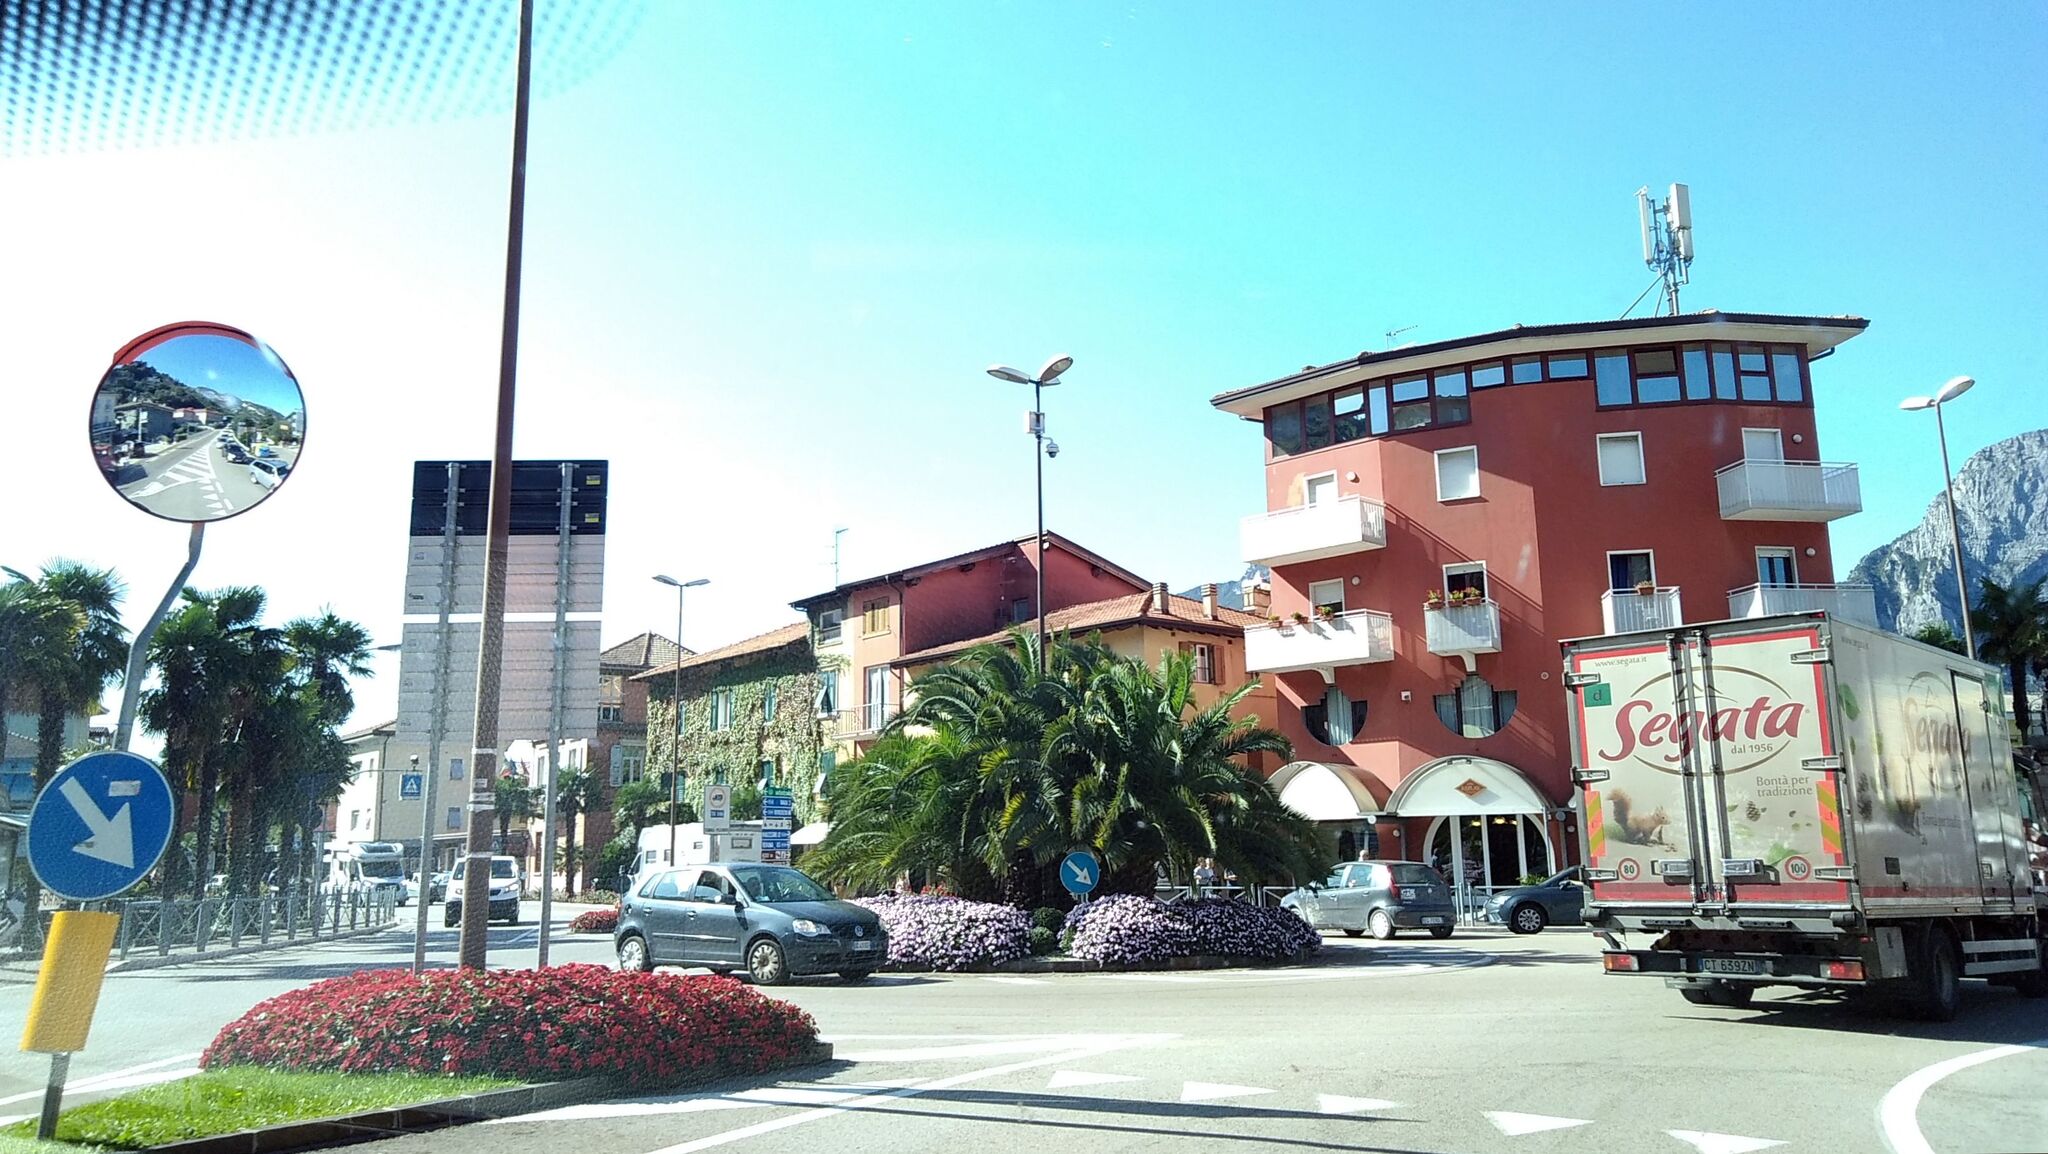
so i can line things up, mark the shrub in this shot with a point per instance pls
(535, 1025)
(1123, 930)
(1048, 918)
(594, 922)
(1043, 941)
(948, 933)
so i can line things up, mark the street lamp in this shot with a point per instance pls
(675, 775)
(1041, 449)
(1949, 392)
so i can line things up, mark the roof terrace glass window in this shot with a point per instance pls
(1411, 402)
(1699, 384)
(1656, 376)
(1315, 423)
(1724, 372)
(1488, 375)
(1376, 399)
(1753, 371)
(1567, 366)
(1785, 370)
(1528, 370)
(1283, 428)
(1350, 418)
(1453, 407)
(1610, 377)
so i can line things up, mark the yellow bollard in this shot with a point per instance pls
(67, 993)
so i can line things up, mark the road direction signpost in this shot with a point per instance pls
(96, 829)
(778, 808)
(1080, 872)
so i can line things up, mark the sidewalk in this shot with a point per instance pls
(18, 969)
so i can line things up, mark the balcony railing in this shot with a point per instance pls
(1856, 603)
(1627, 611)
(1359, 637)
(1463, 630)
(1332, 528)
(1788, 491)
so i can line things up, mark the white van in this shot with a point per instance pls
(506, 884)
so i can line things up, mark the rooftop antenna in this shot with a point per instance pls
(1667, 239)
(1393, 335)
(836, 535)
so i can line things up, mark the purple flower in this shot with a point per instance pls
(1124, 929)
(950, 933)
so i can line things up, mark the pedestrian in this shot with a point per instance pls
(1205, 876)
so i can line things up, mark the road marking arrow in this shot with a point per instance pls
(1209, 1091)
(1708, 1142)
(113, 839)
(1339, 1104)
(1513, 1125)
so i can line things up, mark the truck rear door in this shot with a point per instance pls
(1708, 767)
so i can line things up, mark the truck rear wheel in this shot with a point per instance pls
(1937, 991)
(2034, 983)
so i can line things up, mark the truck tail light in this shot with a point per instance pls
(1619, 963)
(1843, 971)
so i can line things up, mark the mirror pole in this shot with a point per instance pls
(138, 651)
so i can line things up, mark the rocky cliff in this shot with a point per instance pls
(2002, 508)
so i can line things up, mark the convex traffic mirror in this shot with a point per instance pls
(197, 422)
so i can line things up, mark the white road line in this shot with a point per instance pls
(1009, 980)
(912, 1091)
(1897, 1114)
(1029, 1045)
(85, 1085)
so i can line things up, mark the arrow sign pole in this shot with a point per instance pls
(111, 840)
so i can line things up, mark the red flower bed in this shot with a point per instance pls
(547, 1025)
(594, 922)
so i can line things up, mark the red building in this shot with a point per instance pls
(1441, 515)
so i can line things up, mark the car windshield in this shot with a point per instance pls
(381, 869)
(502, 868)
(779, 884)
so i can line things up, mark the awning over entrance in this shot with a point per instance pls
(811, 834)
(1321, 791)
(1466, 785)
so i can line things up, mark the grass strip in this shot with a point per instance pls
(237, 1098)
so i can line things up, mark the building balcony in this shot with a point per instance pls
(1359, 637)
(1853, 603)
(861, 721)
(1334, 528)
(1788, 491)
(1462, 630)
(1627, 611)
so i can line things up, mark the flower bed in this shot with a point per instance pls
(594, 922)
(950, 933)
(1124, 930)
(565, 1022)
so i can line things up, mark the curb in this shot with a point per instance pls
(395, 1121)
(159, 962)
(1065, 965)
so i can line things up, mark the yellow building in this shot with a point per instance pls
(1148, 626)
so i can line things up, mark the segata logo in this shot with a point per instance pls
(1751, 715)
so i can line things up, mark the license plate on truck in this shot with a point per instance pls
(1731, 966)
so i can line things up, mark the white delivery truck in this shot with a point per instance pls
(366, 867)
(1799, 800)
(694, 846)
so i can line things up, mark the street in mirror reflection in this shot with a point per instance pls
(975, 577)
(197, 422)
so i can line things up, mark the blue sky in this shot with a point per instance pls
(229, 366)
(771, 248)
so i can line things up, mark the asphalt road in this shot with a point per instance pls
(1486, 1042)
(192, 481)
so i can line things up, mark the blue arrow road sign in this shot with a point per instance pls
(1080, 872)
(411, 786)
(99, 826)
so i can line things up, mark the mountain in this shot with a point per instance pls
(1230, 594)
(2002, 508)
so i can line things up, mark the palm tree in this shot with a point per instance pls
(2012, 630)
(639, 804)
(1940, 636)
(31, 622)
(67, 668)
(577, 791)
(512, 799)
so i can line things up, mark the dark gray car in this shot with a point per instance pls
(1381, 897)
(769, 920)
(1557, 900)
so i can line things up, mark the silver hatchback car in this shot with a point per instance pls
(1379, 897)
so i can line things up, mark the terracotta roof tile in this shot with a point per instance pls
(640, 652)
(1131, 609)
(762, 643)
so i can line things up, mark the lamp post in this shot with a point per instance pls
(1949, 392)
(675, 773)
(1041, 449)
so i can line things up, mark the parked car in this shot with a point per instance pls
(1554, 901)
(772, 921)
(506, 885)
(235, 454)
(437, 887)
(269, 474)
(266, 452)
(1380, 897)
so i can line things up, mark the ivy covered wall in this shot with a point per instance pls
(789, 736)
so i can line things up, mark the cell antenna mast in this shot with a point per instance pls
(1667, 239)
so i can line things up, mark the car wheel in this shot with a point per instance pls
(1528, 918)
(1354, 933)
(1381, 925)
(1441, 932)
(633, 958)
(765, 963)
(855, 975)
